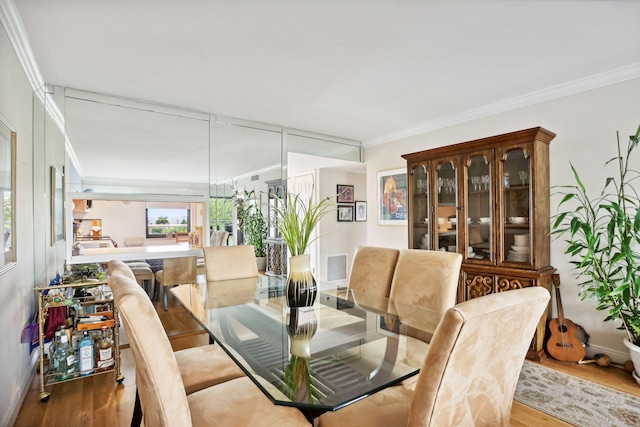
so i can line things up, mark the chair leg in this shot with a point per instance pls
(164, 296)
(136, 420)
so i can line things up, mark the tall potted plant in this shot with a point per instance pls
(296, 220)
(253, 225)
(603, 237)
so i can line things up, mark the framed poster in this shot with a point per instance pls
(345, 193)
(345, 213)
(392, 197)
(57, 205)
(361, 211)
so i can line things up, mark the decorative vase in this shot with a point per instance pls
(634, 353)
(301, 285)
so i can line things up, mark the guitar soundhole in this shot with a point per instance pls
(562, 328)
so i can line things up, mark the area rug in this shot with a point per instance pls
(574, 400)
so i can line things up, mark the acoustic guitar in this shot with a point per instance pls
(563, 343)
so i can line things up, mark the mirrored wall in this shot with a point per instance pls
(125, 151)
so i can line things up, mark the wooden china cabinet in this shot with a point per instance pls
(487, 199)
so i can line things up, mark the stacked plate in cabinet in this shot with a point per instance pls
(521, 249)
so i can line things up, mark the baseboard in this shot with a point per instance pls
(11, 415)
(615, 355)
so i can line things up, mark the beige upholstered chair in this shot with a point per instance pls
(176, 271)
(470, 372)
(230, 262)
(200, 367)
(134, 241)
(139, 271)
(426, 278)
(372, 270)
(161, 390)
(218, 238)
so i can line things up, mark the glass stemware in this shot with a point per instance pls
(523, 176)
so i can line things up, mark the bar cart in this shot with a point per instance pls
(94, 305)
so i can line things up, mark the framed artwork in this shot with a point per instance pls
(361, 211)
(345, 193)
(345, 213)
(57, 205)
(392, 197)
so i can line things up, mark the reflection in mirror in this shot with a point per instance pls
(245, 157)
(7, 181)
(149, 223)
(122, 146)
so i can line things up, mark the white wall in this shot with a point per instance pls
(341, 237)
(585, 125)
(17, 300)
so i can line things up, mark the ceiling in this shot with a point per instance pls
(368, 70)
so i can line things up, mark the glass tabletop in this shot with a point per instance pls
(345, 347)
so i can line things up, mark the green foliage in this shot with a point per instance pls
(297, 219)
(220, 212)
(252, 222)
(603, 240)
(162, 220)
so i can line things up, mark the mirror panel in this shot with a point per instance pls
(8, 183)
(120, 146)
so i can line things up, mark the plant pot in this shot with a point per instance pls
(634, 353)
(261, 262)
(301, 285)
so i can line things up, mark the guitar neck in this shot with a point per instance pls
(559, 306)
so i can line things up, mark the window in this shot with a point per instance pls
(162, 222)
(221, 213)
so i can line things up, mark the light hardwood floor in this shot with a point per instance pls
(99, 401)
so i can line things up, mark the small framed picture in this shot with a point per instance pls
(345, 213)
(361, 211)
(345, 193)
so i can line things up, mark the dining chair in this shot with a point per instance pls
(176, 271)
(426, 278)
(140, 271)
(200, 367)
(218, 238)
(161, 390)
(372, 270)
(230, 262)
(469, 373)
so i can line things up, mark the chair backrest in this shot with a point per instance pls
(182, 236)
(178, 271)
(162, 395)
(134, 241)
(218, 238)
(119, 267)
(230, 262)
(372, 270)
(472, 366)
(426, 278)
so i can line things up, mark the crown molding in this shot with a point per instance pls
(12, 23)
(618, 75)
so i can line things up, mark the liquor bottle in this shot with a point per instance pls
(86, 361)
(104, 350)
(64, 361)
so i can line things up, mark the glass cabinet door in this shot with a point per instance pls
(516, 206)
(479, 208)
(419, 221)
(446, 207)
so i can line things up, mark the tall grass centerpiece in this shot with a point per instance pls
(296, 220)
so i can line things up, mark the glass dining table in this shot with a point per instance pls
(345, 347)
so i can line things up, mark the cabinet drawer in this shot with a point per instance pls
(507, 283)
